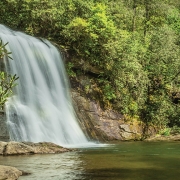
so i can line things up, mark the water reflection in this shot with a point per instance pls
(134, 161)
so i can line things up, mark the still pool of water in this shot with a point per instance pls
(122, 161)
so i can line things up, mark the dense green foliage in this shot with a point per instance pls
(7, 82)
(133, 45)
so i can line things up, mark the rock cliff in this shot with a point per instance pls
(105, 125)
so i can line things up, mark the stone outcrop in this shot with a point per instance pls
(104, 125)
(9, 173)
(23, 148)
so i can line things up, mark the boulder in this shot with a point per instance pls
(14, 148)
(23, 148)
(46, 148)
(9, 173)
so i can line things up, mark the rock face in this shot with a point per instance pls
(9, 173)
(22, 148)
(105, 125)
(4, 135)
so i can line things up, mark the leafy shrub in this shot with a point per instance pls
(165, 132)
(7, 82)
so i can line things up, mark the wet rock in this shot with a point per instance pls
(106, 125)
(2, 147)
(9, 173)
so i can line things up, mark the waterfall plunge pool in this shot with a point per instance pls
(119, 161)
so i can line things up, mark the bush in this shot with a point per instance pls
(7, 82)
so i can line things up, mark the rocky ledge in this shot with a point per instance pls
(164, 138)
(20, 148)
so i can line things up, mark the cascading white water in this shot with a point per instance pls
(41, 108)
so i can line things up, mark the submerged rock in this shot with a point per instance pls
(23, 148)
(9, 173)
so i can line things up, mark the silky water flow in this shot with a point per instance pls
(41, 108)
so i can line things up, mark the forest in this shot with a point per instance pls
(128, 49)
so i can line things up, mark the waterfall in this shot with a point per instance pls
(40, 109)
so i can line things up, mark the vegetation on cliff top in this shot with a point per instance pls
(133, 45)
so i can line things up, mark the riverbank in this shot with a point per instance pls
(164, 138)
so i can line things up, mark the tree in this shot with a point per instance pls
(129, 49)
